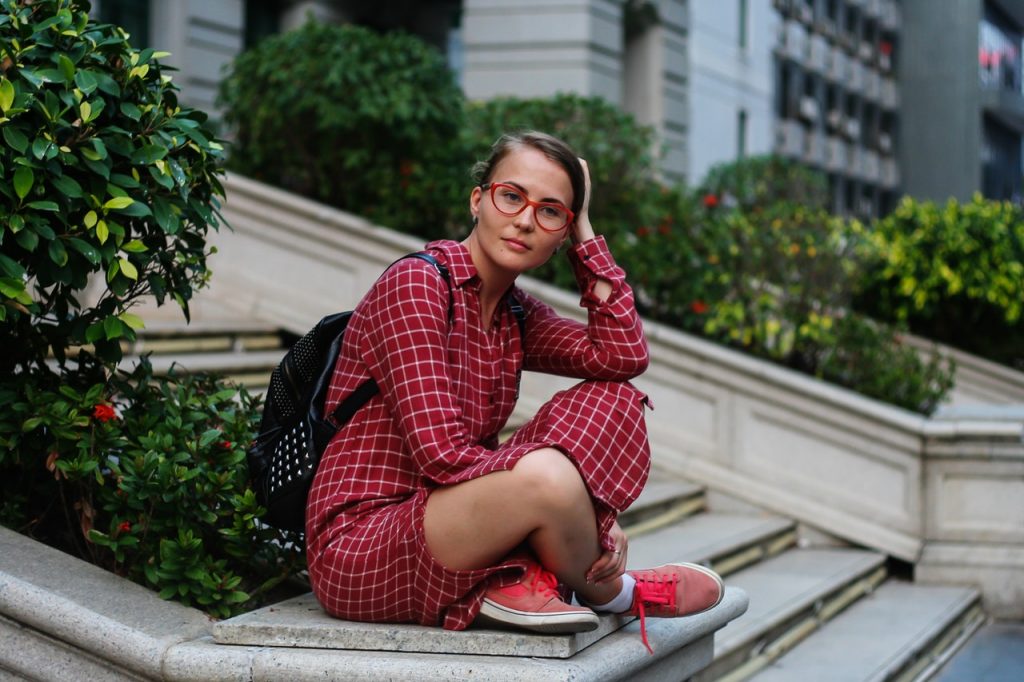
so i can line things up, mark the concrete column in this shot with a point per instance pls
(537, 48)
(202, 38)
(655, 66)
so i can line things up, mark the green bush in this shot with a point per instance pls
(739, 261)
(101, 173)
(954, 273)
(144, 477)
(370, 123)
(107, 182)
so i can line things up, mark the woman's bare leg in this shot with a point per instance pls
(541, 500)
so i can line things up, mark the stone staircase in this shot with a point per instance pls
(818, 608)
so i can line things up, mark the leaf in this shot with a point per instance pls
(43, 205)
(131, 111)
(12, 267)
(6, 94)
(208, 437)
(58, 254)
(23, 181)
(68, 186)
(133, 321)
(128, 269)
(85, 110)
(134, 246)
(31, 423)
(102, 232)
(112, 328)
(85, 81)
(149, 153)
(15, 139)
(66, 67)
(118, 203)
(86, 249)
(90, 219)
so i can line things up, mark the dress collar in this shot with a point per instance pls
(457, 259)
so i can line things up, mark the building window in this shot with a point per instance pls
(262, 20)
(1001, 174)
(999, 51)
(131, 15)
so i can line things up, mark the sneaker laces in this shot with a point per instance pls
(654, 590)
(541, 581)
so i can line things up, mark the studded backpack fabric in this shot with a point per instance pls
(294, 431)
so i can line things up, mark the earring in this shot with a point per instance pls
(475, 220)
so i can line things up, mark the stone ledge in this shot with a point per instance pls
(94, 622)
(301, 622)
(682, 647)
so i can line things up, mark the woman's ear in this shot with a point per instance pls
(474, 203)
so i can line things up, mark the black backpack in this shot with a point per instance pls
(294, 431)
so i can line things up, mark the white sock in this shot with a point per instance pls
(623, 601)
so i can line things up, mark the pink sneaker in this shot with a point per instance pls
(673, 590)
(534, 604)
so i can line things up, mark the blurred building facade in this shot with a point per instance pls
(886, 97)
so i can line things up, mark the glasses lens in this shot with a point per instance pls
(510, 201)
(507, 200)
(551, 216)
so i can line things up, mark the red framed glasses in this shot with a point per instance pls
(509, 200)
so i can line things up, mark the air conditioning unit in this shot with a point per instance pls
(885, 63)
(834, 119)
(852, 129)
(808, 108)
(865, 52)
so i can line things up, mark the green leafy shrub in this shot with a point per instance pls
(144, 477)
(101, 173)
(751, 259)
(107, 183)
(366, 122)
(954, 273)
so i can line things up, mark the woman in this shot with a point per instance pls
(417, 513)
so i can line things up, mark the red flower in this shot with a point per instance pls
(103, 413)
(699, 307)
(125, 526)
(710, 200)
(643, 231)
(226, 444)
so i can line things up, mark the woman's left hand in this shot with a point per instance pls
(612, 563)
(581, 228)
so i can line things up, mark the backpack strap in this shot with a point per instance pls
(366, 390)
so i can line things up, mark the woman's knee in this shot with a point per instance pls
(548, 477)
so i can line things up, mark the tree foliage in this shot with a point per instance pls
(104, 179)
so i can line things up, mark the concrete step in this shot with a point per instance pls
(725, 542)
(251, 369)
(896, 632)
(791, 596)
(663, 502)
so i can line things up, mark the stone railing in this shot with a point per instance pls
(865, 471)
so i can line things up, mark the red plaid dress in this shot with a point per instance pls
(446, 391)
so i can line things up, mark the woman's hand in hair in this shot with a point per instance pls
(581, 229)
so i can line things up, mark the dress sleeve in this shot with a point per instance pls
(611, 346)
(404, 346)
